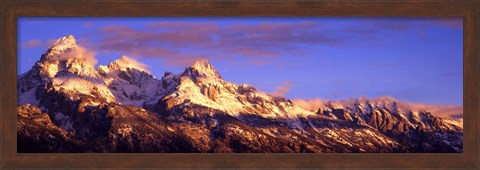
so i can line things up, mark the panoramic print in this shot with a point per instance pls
(240, 85)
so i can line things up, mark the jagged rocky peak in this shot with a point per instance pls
(201, 68)
(128, 69)
(64, 56)
(130, 82)
(124, 63)
(64, 43)
(364, 104)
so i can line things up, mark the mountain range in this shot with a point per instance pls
(66, 105)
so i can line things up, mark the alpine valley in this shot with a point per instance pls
(66, 105)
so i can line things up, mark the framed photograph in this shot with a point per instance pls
(240, 85)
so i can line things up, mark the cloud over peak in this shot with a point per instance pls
(127, 62)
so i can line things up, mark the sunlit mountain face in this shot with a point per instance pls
(66, 104)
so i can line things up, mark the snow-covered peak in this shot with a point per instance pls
(131, 83)
(65, 57)
(64, 43)
(201, 68)
(123, 64)
(201, 64)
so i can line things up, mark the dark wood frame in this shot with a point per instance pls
(10, 11)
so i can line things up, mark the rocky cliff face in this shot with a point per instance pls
(65, 105)
(421, 131)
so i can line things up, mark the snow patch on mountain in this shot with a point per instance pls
(28, 97)
(131, 83)
(78, 86)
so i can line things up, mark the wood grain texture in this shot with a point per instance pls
(11, 10)
(2, 85)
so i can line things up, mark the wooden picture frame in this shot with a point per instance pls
(11, 10)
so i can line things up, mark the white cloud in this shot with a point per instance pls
(127, 62)
(77, 52)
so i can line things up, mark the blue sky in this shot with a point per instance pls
(411, 59)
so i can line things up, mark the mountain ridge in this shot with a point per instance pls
(76, 100)
(447, 111)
